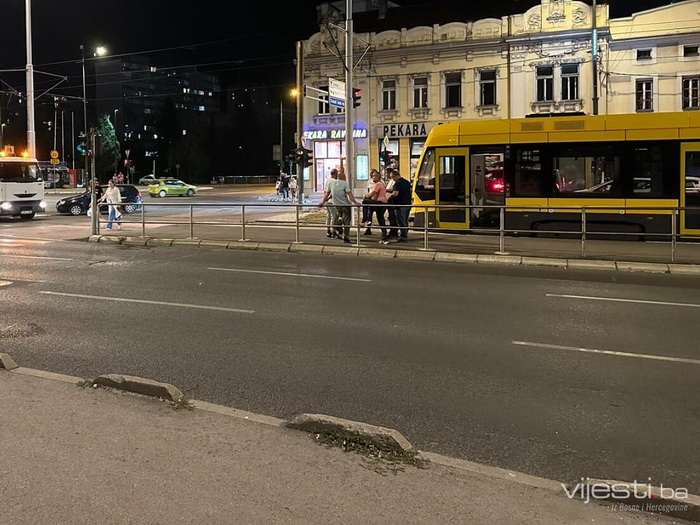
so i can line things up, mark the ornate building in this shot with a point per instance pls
(536, 63)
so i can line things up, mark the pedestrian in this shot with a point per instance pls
(477, 199)
(113, 196)
(330, 231)
(377, 200)
(341, 201)
(120, 178)
(366, 201)
(284, 186)
(293, 187)
(401, 195)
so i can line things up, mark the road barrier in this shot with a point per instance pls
(426, 229)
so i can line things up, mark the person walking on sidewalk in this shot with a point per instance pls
(401, 194)
(113, 196)
(284, 186)
(376, 200)
(330, 230)
(341, 201)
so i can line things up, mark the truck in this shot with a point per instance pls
(21, 185)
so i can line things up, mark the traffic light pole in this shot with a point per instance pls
(31, 131)
(93, 184)
(349, 99)
(85, 119)
(300, 119)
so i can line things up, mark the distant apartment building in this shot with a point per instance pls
(538, 63)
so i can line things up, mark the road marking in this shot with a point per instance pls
(608, 352)
(5, 242)
(292, 274)
(157, 303)
(34, 257)
(5, 283)
(616, 300)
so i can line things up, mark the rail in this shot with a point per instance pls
(191, 221)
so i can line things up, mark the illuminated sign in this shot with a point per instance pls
(403, 130)
(334, 134)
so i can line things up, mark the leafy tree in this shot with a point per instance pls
(192, 156)
(108, 154)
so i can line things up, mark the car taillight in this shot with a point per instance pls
(138, 195)
(498, 186)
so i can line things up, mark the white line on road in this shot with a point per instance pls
(292, 274)
(617, 300)
(34, 257)
(608, 352)
(157, 303)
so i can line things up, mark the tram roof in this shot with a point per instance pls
(585, 128)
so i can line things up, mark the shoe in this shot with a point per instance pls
(347, 240)
(368, 232)
(402, 239)
(330, 235)
(384, 241)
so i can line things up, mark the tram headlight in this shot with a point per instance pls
(6, 206)
(42, 205)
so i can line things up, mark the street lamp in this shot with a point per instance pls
(115, 123)
(100, 51)
(2, 127)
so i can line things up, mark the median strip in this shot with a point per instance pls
(608, 352)
(144, 301)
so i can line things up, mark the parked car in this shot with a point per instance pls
(79, 204)
(148, 179)
(165, 187)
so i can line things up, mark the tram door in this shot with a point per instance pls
(690, 188)
(452, 187)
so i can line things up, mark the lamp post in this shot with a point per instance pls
(2, 127)
(85, 119)
(31, 131)
(594, 49)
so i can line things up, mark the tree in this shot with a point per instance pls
(191, 155)
(108, 154)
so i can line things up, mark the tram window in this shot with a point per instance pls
(425, 184)
(648, 171)
(593, 170)
(528, 173)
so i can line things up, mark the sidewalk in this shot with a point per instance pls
(73, 455)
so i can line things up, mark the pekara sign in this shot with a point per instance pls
(395, 131)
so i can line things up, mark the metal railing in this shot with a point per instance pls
(585, 217)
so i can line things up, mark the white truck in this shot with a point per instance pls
(21, 186)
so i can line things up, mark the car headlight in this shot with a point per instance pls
(42, 205)
(6, 205)
(60, 203)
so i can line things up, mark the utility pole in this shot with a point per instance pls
(93, 183)
(300, 118)
(55, 125)
(31, 131)
(282, 134)
(349, 109)
(594, 41)
(63, 137)
(72, 134)
(85, 119)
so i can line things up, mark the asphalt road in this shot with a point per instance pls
(497, 365)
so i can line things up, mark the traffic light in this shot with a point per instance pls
(356, 98)
(82, 148)
(304, 158)
(385, 157)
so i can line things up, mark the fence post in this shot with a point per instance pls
(191, 221)
(358, 218)
(673, 235)
(502, 232)
(583, 232)
(296, 233)
(243, 223)
(425, 229)
(143, 219)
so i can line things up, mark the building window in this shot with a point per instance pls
(453, 90)
(389, 95)
(420, 92)
(545, 84)
(691, 92)
(645, 94)
(690, 51)
(324, 108)
(487, 81)
(569, 82)
(643, 54)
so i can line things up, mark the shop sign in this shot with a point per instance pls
(334, 134)
(394, 131)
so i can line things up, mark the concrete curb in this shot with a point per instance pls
(460, 258)
(63, 378)
(688, 509)
(383, 438)
(140, 385)
(7, 363)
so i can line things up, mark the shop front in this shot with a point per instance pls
(328, 146)
(403, 145)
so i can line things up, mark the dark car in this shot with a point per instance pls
(79, 204)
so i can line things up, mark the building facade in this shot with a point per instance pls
(538, 63)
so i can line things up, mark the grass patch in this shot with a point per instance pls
(378, 459)
(182, 404)
(84, 384)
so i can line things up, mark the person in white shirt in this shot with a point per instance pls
(113, 196)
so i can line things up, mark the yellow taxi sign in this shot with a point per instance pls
(54, 154)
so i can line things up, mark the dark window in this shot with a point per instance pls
(453, 90)
(528, 173)
(324, 107)
(691, 92)
(420, 92)
(592, 170)
(690, 51)
(425, 184)
(648, 171)
(643, 54)
(488, 88)
(569, 82)
(545, 84)
(389, 95)
(645, 94)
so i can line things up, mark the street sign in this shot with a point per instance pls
(336, 93)
(55, 161)
(54, 154)
(386, 142)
